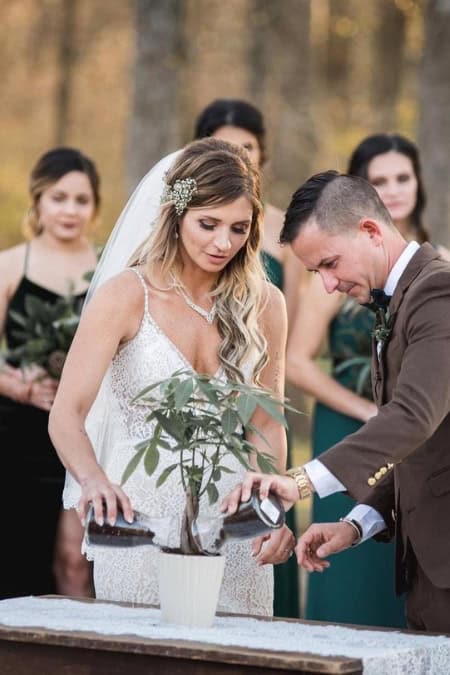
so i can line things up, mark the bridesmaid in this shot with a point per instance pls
(358, 587)
(43, 554)
(241, 123)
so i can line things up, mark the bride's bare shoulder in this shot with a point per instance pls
(123, 293)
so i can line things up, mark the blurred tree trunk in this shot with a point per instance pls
(67, 55)
(338, 51)
(434, 128)
(153, 128)
(263, 13)
(388, 62)
(217, 36)
(281, 86)
(280, 80)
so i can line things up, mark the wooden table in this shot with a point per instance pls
(31, 651)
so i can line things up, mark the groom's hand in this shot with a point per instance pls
(321, 540)
(283, 486)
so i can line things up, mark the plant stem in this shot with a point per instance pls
(188, 545)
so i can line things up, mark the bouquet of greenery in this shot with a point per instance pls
(200, 420)
(45, 331)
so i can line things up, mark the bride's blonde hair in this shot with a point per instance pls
(223, 173)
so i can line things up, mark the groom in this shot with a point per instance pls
(398, 464)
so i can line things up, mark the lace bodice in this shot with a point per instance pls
(131, 574)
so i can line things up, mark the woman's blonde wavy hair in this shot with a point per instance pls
(223, 173)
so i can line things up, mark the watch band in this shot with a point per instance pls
(302, 481)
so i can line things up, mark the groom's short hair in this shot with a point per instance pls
(335, 201)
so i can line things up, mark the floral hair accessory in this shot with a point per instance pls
(180, 193)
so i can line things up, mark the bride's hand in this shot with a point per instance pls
(278, 547)
(105, 497)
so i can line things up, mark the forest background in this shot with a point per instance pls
(123, 80)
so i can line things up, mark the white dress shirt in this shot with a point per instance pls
(325, 483)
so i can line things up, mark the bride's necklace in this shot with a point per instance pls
(208, 316)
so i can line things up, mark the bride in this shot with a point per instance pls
(193, 295)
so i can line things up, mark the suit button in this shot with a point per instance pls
(378, 475)
(372, 481)
(383, 470)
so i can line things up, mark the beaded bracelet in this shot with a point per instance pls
(356, 526)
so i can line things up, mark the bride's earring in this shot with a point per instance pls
(176, 233)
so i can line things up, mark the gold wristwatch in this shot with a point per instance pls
(300, 476)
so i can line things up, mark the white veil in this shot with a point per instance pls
(131, 230)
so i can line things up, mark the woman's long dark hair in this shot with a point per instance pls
(232, 112)
(378, 144)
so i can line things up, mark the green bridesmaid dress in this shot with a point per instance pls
(358, 587)
(286, 596)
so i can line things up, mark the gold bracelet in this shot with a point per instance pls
(302, 481)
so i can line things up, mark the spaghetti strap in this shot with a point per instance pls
(26, 258)
(142, 280)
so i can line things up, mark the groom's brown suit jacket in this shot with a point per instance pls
(399, 462)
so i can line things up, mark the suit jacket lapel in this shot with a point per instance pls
(424, 255)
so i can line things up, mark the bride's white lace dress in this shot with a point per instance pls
(131, 574)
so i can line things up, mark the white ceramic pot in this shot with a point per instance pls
(189, 587)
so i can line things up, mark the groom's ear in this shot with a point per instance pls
(371, 229)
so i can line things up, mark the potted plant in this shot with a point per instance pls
(199, 420)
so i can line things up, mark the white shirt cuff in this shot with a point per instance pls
(370, 520)
(325, 483)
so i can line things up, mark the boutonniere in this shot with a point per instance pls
(383, 325)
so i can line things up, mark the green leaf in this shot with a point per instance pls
(364, 379)
(254, 430)
(183, 393)
(272, 409)
(37, 345)
(165, 474)
(131, 466)
(225, 469)
(354, 361)
(208, 390)
(151, 459)
(246, 406)
(239, 452)
(265, 463)
(291, 408)
(213, 493)
(153, 386)
(172, 425)
(143, 445)
(34, 307)
(18, 318)
(230, 420)
(195, 473)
